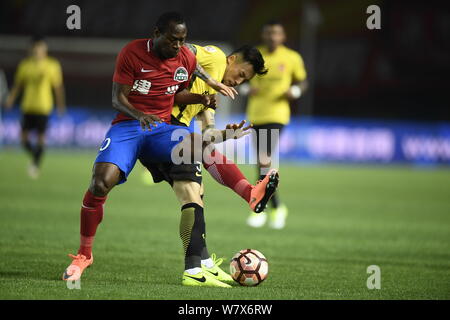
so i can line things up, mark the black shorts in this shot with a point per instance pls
(267, 128)
(175, 172)
(34, 122)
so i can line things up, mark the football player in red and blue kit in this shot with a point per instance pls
(148, 74)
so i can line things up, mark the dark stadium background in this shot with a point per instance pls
(398, 72)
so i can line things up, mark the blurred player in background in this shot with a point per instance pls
(3, 95)
(268, 106)
(37, 77)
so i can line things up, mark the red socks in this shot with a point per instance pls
(228, 174)
(91, 216)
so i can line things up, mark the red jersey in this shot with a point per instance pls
(154, 81)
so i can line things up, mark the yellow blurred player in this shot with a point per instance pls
(37, 76)
(268, 105)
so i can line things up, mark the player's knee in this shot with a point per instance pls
(265, 161)
(187, 192)
(100, 187)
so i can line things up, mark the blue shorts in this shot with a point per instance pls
(126, 142)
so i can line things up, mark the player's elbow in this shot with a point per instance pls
(115, 103)
(304, 85)
(115, 100)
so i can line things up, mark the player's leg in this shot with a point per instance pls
(163, 146)
(104, 177)
(25, 140)
(279, 212)
(41, 127)
(27, 125)
(227, 173)
(115, 160)
(193, 236)
(264, 149)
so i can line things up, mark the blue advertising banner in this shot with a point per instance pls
(304, 139)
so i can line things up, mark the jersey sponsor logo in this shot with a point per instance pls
(144, 70)
(105, 144)
(181, 74)
(172, 89)
(142, 86)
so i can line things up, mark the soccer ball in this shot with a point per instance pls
(249, 267)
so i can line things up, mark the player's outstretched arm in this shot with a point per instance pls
(296, 90)
(120, 102)
(185, 97)
(213, 83)
(214, 135)
(60, 99)
(15, 90)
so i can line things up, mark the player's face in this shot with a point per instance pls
(237, 72)
(169, 43)
(273, 36)
(39, 49)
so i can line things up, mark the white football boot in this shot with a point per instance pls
(278, 217)
(257, 220)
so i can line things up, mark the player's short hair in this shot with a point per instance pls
(37, 38)
(165, 19)
(273, 22)
(252, 55)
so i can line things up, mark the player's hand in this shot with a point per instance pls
(9, 103)
(223, 89)
(236, 131)
(61, 111)
(293, 93)
(149, 120)
(209, 100)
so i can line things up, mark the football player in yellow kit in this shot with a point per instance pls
(38, 77)
(214, 66)
(240, 66)
(268, 105)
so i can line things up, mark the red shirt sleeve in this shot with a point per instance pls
(191, 66)
(124, 69)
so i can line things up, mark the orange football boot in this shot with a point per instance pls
(76, 268)
(263, 191)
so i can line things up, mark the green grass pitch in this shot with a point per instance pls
(342, 219)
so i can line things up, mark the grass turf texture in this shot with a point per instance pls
(342, 219)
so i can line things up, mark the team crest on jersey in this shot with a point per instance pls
(181, 74)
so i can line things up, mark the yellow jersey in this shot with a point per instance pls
(214, 61)
(268, 105)
(38, 77)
